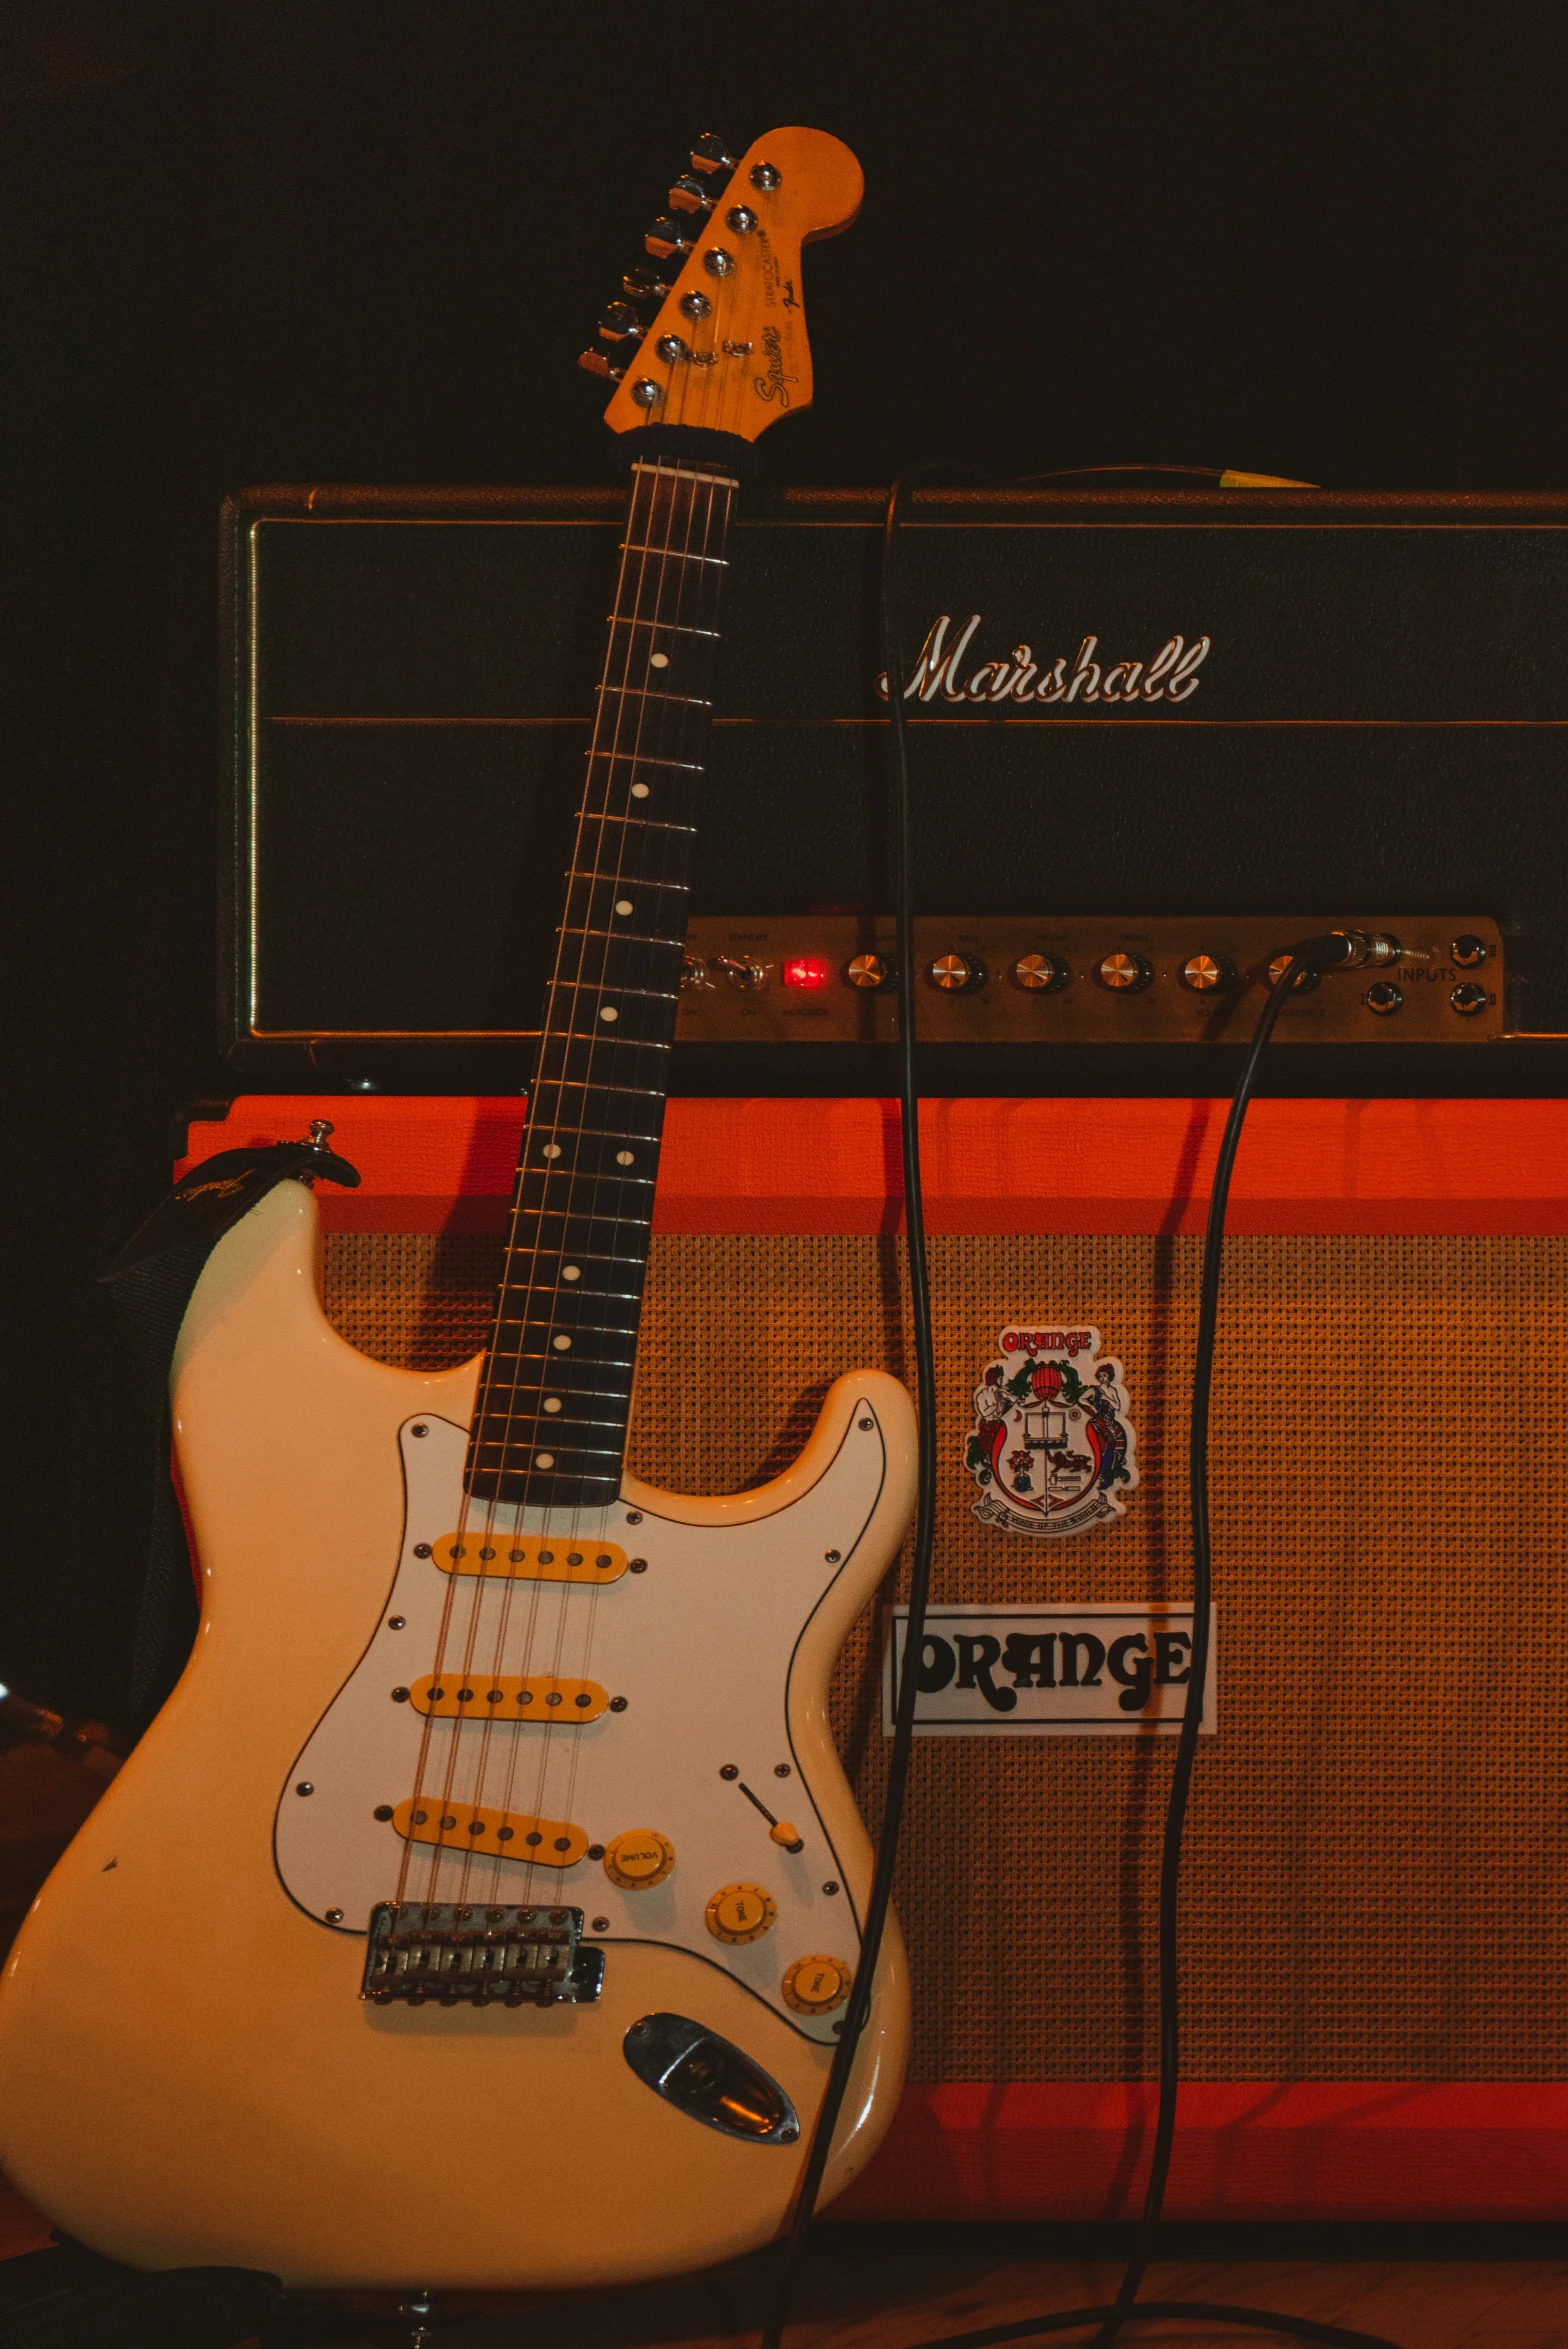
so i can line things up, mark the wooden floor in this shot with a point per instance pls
(880, 2301)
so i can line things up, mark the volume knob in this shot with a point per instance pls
(1125, 974)
(957, 973)
(868, 970)
(638, 1858)
(1041, 974)
(1208, 974)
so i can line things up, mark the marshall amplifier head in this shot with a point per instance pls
(1155, 738)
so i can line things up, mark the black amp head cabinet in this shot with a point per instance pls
(1150, 731)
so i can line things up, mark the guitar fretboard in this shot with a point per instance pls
(550, 1428)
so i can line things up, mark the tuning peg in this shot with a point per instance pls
(666, 238)
(689, 195)
(711, 154)
(597, 364)
(640, 285)
(619, 324)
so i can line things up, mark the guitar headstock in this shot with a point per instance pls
(727, 349)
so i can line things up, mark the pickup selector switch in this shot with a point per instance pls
(1041, 974)
(1125, 974)
(957, 974)
(1208, 974)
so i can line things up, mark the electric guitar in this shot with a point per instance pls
(480, 1909)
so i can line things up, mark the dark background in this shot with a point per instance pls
(364, 240)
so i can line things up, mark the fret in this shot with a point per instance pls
(693, 701)
(672, 627)
(640, 759)
(671, 554)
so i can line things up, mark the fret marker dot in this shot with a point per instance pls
(571, 1272)
(658, 660)
(552, 1402)
(639, 791)
(544, 1459)
(552, 1150)
(623, 1158)
(561, 1345)
(623, 905)
(609, 1012)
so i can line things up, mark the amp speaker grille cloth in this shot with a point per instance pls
(1374, 1882)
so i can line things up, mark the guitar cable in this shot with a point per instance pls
(1338, 950)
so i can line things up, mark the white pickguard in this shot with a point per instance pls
(701, 1646)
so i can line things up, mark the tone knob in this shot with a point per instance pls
(1041, 974)
(638, 1858)
(1305, 980)
(1208, 974)
(957, 973)
(869, 970)
(741, 971)
(1125, 974)
(816, 1985)
(740, 1912)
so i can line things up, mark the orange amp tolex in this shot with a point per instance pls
(1375, 1908)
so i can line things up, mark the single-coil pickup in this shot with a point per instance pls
(453, 1696)
(522, 1558)
(508, 1835)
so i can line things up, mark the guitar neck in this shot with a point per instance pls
(555, 1392)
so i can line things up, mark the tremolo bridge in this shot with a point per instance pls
(478, 1956)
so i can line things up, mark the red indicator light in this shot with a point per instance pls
(805, 970)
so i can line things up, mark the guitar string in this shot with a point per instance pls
(597, 794)
(639, 531)
(681, 502)
(673, 727)
(598, 776)
(486, 1389)
(642, 538)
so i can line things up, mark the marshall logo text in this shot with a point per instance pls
(1172, 674)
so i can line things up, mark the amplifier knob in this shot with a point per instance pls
(869, 970)
(1125, 974)
(1468, 998)
(1208, 974)
(1042, 974)
(1384, 998)
(1469, 951)
(957, 973)
(1305, 980)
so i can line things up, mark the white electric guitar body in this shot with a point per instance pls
(483, 1907)
(189, 2073)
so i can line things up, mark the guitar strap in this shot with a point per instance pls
(150, 1284)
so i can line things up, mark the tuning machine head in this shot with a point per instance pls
(619, 323)
(641, 285)
(667, 238)
(689, 195)
(710, 155)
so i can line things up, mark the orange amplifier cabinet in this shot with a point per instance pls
(1376, 1882)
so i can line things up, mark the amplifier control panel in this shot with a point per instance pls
(1085, 979)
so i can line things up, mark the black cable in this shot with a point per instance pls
(881, 1893)
(1313, 954)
